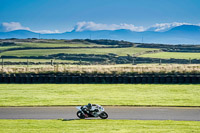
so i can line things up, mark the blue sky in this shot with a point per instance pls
(63, 15)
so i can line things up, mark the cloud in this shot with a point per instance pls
(91, 26)
(5, 27)
(167, 26)
(47, 31)
(159, 27)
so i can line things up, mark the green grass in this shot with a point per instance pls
(98, 126)
(39, 60)
(8, 47)
(42, 52)
(55, 44)
(176, 55)
(103, 94)
(26, 44)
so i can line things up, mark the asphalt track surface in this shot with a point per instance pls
(117, 113)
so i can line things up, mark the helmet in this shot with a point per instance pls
(89, 105)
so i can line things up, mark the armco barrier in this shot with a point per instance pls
(99, 79)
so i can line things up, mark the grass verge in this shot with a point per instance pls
(103, 94)
(103, 126)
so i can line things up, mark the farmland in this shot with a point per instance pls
(37, 60)
(30, 44)
(45, 43)
(43, 52)
(177, 55)
(97, 51)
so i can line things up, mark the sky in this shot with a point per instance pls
(66, 15)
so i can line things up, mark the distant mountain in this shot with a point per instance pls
(19, 34)
(186, 28)
(185, 34)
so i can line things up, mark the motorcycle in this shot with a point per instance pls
(100, 112)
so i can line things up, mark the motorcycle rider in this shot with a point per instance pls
(91, 109)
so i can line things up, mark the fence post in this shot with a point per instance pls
(2, 64)
(27, 65)
(190, 61)
(57, 67)
(134, 60)
(160, 62)
(51, 62)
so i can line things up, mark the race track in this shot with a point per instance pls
(128, 113)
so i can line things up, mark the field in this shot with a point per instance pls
(38, 60)
(29, 44)
(49, 43)
(8, 47)
(101, 51)
(176, 55)
(62, 43)
(99, 126)
(103, 94)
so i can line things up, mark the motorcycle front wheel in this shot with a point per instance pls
(103, 115)
(80, 115)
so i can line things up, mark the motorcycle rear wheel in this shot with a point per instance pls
(80, 115)
(103, 115)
